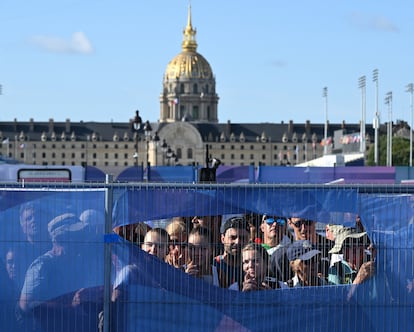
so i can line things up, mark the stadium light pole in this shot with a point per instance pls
(376, 118)
(325, 146)
(388, 102)
(362, 86)
(410, 89)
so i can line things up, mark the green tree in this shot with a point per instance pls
(400, 152)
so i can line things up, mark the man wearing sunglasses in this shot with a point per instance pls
(305, 229)
(276, 240)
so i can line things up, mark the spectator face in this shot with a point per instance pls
(177, 248)
(10, 265)
(273, 228)
(234, 240)
(253, 264)
(202, 221)
(329, 234)
(199, 252)
(354, 254)
(29, 221)
(303, 228)
(155, 245)
(307, 271)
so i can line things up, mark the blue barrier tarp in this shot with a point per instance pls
(64, 290)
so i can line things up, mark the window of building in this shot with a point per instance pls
(43, 155)
(63, 155)
(94, 163)
(22, 155)
(106, 146)
(115, 156)
(195, 88)
(53, 155)
(53, 146)
(182, 90)
(125, 155)
(252, 157)
(53, 163)
(232, 156)
(263, 147)
(251, 147)
(223, 156)
(241, 147)
(43, 146)
(179, 153)
(232, 147)
(106, 163)
(125, 163)
(189, 153)
(208, 112)
(73, 146)
(73, 155)
(126, 146)
(116, 146)
(83, 155)
(274, 147)
(63, 146)
(94, 155)
(195, 113)
(285, 147)
(242, 156)
(263, 157)
(115, 163)
(73, 163)
(94, 146)
(223, 147)
(106, 156)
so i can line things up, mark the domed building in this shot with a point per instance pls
(189, 86)
(187, 129)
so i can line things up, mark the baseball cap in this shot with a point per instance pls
(342, 235)
(64, 224)
(302, 250)
(234, 222)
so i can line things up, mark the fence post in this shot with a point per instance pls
(107, 253)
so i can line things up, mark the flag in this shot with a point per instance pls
(5, 141)
(22, 146)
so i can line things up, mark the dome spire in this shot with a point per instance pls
(189, 42)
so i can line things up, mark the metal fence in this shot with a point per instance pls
(63, 258)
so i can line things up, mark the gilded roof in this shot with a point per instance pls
(188, 63)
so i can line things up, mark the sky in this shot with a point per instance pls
(100, 60)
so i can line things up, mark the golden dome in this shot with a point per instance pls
(188, 63)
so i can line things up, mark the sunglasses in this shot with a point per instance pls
(300, 222)
(279, 220)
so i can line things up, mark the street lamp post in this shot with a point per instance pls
(156, 142)
(410, 89)
(164, 149)
(136, 126)
(147, 131)
(325, 146)
(388, 102)
(376, 118)
(362, 86)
